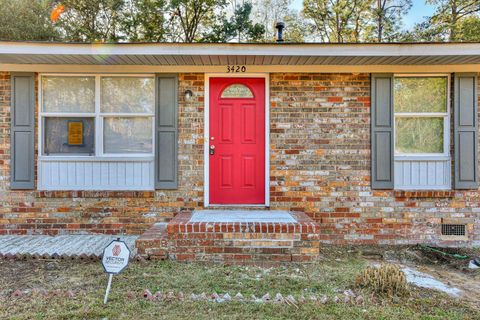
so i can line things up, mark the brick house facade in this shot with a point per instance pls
(320, 164)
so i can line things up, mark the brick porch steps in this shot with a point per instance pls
(245, 241)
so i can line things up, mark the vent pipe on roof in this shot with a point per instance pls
(280, 26)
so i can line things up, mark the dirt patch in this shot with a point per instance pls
(448, 258)
(44, 274)
(455, 258)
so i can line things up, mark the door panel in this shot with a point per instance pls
(248, 168)
(226, 123)
(226, 171)
(248, 120)
(237, 134)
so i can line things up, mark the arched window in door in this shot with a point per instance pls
(237, 91)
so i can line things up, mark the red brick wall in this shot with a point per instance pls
(4, 131)
(320, 164)
(320, 153)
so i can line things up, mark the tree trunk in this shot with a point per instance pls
(380, 20)
(337, 28)
(453, 23)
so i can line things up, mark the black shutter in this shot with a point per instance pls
(382, 131)
(166, 130)
(465, 131)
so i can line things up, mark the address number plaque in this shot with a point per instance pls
(236, 69)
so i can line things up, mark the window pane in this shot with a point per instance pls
(68, 135)
(68, 94)
(128, 135)
(419, 135)
(127, 95)
(420, 94)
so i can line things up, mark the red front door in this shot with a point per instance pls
(237, 141)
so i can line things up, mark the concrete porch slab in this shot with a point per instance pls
(242, 216)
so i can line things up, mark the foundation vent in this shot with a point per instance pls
(453, 230)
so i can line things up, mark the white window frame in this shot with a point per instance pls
(446, 123)
(98, 117)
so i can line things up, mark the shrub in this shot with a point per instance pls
(387, 280)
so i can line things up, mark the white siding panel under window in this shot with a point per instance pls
(96, 175)
(422, 174)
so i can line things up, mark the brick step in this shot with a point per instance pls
(153, 243)
(234, 238)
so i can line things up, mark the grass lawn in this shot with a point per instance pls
(331, 277)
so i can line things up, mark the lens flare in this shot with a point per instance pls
(56, 12)
(102, 52)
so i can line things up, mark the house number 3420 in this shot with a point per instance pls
(235, 69)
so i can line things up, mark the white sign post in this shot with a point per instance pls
(115, 260)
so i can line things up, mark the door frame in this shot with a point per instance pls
(206, 155)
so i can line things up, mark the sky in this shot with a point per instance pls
(416, 14)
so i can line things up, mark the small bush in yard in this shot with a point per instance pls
(387, 280)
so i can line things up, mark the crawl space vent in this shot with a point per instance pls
(453, 230)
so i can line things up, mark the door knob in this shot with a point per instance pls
(212, 149)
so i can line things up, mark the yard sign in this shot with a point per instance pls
(115, 260)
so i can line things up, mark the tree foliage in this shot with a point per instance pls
(388, 15)
(453, 20)
(357, 20)
(26, 20)
(91, 20)
(297, 30)
(469, 29)
(144, 20)
(239, 27)
(338, 20)
(193, 15)
(448, 17)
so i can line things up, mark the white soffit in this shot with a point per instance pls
(214, 54)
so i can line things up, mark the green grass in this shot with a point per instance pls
(327, 277)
